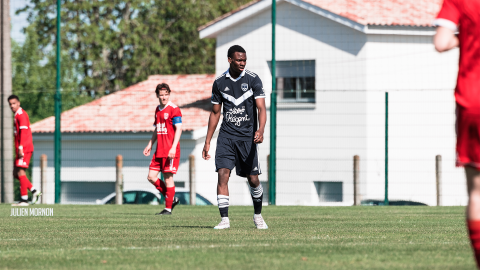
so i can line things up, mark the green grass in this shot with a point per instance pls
(131, 237)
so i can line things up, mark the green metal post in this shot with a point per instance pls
(273, 117)
(58, 110)
(386, 148)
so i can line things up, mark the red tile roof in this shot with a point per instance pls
(371, 12)
(132, 109)
(383, 12)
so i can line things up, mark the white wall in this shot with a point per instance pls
(353, 70)
(420, 83)
(91, 158)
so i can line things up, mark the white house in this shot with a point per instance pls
(335, 61)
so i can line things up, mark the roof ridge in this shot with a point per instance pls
(365, 12)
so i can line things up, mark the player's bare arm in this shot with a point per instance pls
(262, 120)
(148, 149)
(445, 39)
(212, 125)
(176, 139)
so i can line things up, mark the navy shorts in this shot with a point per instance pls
(239, 154)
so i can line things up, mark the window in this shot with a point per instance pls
(179, 184)
(329, 191)
(265, 190)
(295, 80)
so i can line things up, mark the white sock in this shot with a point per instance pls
(169, 209)
(24, 197)
(255, 215)
(33, 189)
(226, 219)
(256, 192)
(223, 203)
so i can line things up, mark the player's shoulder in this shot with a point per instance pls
(171, 104)
(221, 76)
(20, 112)
(250, 73)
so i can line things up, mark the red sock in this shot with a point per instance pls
(160, 185)
(169, 197)
(25, 185)
(474, 232)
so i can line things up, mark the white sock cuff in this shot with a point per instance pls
(24, 197)
(256, 192)
(223, 201)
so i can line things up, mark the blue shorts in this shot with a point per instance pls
(239, 154)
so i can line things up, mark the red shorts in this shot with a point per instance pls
(23, 162)
(165, 165)
(468, 139)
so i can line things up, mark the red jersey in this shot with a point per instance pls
(465, 14)
(165, 121)
(23, 133)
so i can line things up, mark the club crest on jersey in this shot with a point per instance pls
(244, 87)
(165, 115)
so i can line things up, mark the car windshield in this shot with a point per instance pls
(184, 198)
(128, 198)
(148, 198)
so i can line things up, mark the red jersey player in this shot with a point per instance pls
(23, 151)
(464, 16)
(168, 129)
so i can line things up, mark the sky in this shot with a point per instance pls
(18, 21)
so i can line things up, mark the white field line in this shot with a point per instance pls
(174, 247)
(229, 246)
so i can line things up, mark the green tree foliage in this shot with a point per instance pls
(117, 43)
(34, 75)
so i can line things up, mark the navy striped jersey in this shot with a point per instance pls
(239, 108)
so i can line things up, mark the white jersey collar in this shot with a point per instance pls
(239, 77)
(169, 103)
(19, 111)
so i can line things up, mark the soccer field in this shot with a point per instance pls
(131, 237)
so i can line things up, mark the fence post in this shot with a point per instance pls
(268, 175)
(272, 170)
(191, 176)
(438, 173)
(6, 123)
(356, 180)
(386, 150)
(119, 181)
(43, 177)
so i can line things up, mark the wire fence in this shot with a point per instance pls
(333, 70)
(316, 145)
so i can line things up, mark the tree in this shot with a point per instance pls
(34, 74)
(117, 43)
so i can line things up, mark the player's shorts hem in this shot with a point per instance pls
(468, 164)
(154, 169)
(167, 171)
(22, 166)
(241, 174)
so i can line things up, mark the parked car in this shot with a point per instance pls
(149, 197)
